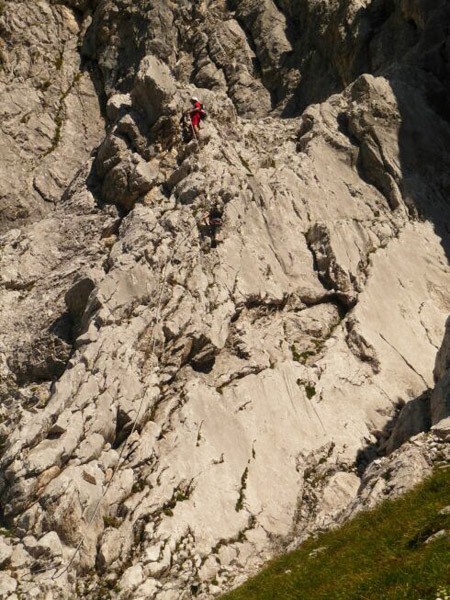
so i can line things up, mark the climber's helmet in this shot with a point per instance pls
(194, 99)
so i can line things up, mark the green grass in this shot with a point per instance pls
(379, 555)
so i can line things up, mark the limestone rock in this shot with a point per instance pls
(154, 88)
(442, 429)
(131, 578)
(117, 104)
(8, 585)
(159, 365)
(435, 536)
(20, 557)
(50, 110)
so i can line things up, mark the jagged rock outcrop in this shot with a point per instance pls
(179, 404)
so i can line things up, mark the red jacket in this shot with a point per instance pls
(196, 114)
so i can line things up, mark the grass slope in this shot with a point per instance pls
(379, 555)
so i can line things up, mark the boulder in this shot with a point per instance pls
(132, 577)
(8, 585)
(128, 180)
(116, 105)
(154, 88)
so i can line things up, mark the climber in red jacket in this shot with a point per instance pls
(196, 114)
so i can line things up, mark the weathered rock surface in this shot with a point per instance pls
(174, 410)
(50, 117)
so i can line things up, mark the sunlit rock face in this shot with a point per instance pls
(181, 400)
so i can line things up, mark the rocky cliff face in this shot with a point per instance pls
(176, 411)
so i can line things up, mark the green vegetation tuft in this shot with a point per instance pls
(59, 61)
(378, 555)
(60, 116)
(240, 501)
(310, 391)
(295, 354)
(59, 121)
(302, 357)
(138, 486)
(179, 495)
(111, 522)
(6, 533)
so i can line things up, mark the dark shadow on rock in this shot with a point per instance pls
(330, 55)
(373, 450)
(202, 355)
(408, 420)
(414, 418)
(131, 30)
(44, 358)
(76, 299)
(124, 426)
(62, 328)
(422, 92)
(412, 51)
